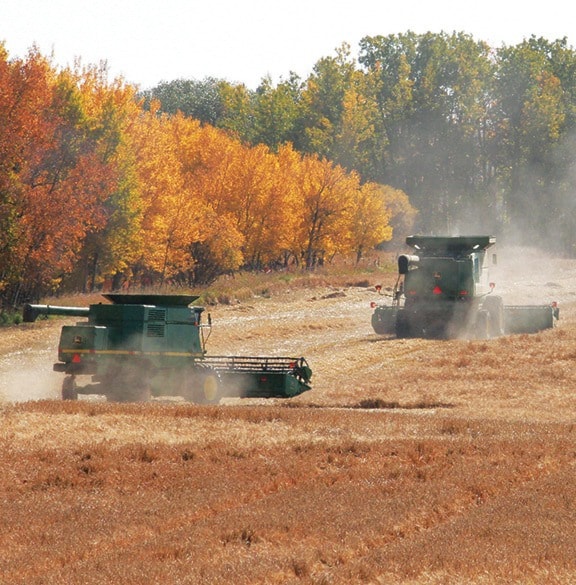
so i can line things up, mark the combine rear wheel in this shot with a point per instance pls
(69, 388)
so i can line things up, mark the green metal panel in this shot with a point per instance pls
(261, 384)
(438, 278)
(32, 312)
(82, 340)
(182, 330)
(528, 318)
(169, 327)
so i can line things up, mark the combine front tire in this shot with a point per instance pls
(403, 328)
(129, 384)
(203, 386)
(482, 325)
(495, 309)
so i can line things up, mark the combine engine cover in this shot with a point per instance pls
(438, 297)
(443, 291)
(139, 346)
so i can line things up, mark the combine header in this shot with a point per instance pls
(140, 346)
(443, 291)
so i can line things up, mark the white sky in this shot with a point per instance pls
(146, 42)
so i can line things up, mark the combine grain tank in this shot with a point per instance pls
(443, 291)
(142, 346)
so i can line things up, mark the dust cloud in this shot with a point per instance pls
(527, 275)
(27, 354)
(29, 384)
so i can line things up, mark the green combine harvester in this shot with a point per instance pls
(141, 346)
(443, 291)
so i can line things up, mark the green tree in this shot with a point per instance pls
(530, 115)
(431, 94)
(238, 111)
(277, 111)
(201, 100)
(359, 135)
(323, 103)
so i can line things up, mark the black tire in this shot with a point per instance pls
(129, 384)
(384, 320)
(403, 329)
(69, 389)
(203, 386)
(482, 325)
(495, 309)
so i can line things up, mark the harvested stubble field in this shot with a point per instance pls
(411, 461)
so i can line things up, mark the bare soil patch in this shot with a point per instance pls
(411, 461)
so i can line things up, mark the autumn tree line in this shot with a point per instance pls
(481, 139)
(102, 184)
(99, 190)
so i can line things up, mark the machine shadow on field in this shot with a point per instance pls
(378, 404)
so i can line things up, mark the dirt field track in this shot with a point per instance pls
(410, 461)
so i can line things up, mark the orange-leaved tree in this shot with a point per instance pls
(110, 250)
(59, 178)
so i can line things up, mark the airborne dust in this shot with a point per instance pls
(293, 324)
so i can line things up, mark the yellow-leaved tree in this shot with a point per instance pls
(325, 192)
(206, 159)
(255, 203)
(171, 217)
(368, 219)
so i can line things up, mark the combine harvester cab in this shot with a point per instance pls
(140, 346)
(443, 291)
